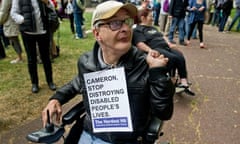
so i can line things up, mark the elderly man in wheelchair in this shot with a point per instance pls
(126, 93)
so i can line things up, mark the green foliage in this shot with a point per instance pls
(18, 104)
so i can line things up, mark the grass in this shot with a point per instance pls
(18, 104)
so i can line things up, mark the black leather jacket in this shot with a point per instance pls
(150, 92)
(177, 8)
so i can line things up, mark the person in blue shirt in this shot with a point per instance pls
(196, 10)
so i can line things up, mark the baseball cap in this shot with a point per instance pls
(107, 9)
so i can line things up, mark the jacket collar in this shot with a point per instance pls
(126, 60)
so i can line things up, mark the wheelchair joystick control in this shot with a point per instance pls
(50, 134)
(49, 126)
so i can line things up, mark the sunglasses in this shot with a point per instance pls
(117, 24)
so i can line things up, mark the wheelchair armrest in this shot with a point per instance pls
(73, 114)
(154, 129)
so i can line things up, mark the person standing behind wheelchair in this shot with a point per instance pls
(150, 90)
(32, 17)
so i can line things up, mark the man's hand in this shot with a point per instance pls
(54, 108)
(156, 59)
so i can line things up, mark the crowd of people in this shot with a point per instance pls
(188, 17)
(74, 11)
(221, 15)
(36, 33)
(185, 17)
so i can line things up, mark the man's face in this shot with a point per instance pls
(115, 34)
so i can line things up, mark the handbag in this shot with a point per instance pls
(53, 20)
(166, 6)
(69, 8)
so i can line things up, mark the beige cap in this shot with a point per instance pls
(107, 9)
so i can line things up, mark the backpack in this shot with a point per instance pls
(166, 6)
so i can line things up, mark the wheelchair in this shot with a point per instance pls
(53, 133)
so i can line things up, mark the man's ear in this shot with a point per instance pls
(96, 34)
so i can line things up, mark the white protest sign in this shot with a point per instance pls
(108, 100)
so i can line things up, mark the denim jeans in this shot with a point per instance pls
(86, 138)
(222, 22)
(216, 17)
(237, 15)
(78, 19)
(177, 22)
(157, 7)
